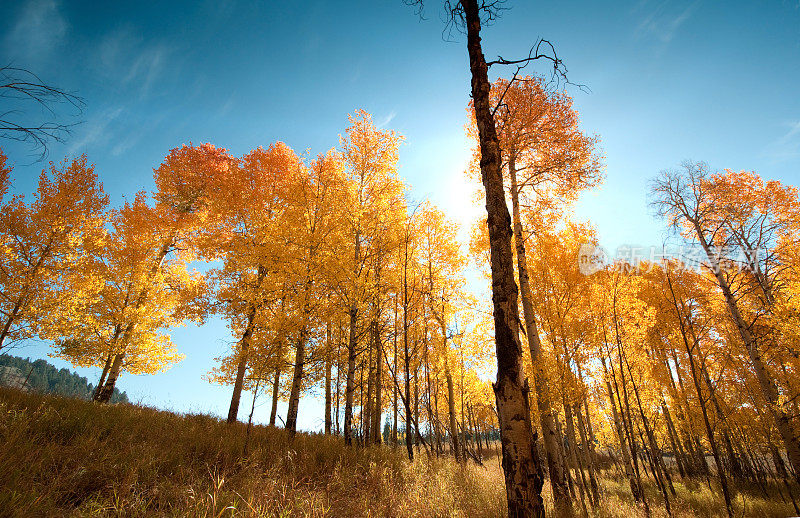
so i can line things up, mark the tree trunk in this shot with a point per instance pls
(573, 456)
(396, 375)
(555, 462)
(350, 379)
(276, 385)
(104, 396)
(407, 399)
(623, 445)
(366, 409)
(378, 409)
(328, 364)
(690, 350)
(241, 368)
(587, 458)
(521, 465)
(451, 405)
(102, 380)
(297, 380)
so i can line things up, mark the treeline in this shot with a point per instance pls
(41, 376)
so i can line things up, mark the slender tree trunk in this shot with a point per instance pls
(555, 463)
(108, 389)
(659, 469)
(250, 419)
(573, 455)
(700, 398)
(623, 445)
(674, 440)
(396, 375)
(451, 405)
(328, 365)
(521, 465)
(276, 385)
(241, 367)
(625, 411)
(100, 383)
(587, 458)
(350, 379)
(366, 415)
(735, 467)
(105, 394)
(378, 410)
(416, 411)
(297, 380)
(339, 340)
(407, 399)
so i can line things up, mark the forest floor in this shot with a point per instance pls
(62, 456)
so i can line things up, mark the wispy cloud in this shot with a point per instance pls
(95, 131)
(382, 123)
(663, 21)
(133, 63)
(787, 146)
(38, 30)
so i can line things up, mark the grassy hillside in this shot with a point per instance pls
(62, 456)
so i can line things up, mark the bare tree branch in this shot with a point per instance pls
(18, 87)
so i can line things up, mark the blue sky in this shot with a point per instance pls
(669, 81)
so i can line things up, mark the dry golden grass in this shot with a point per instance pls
(62, 456)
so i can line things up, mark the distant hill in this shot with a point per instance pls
(40, 376)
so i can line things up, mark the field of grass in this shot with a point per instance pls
(61, 456)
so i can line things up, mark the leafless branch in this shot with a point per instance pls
(18, 87)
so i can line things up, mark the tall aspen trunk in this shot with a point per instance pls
(339, 339)
(360, 433)
(395, 374)
(250, 418)
(690, 349)
(107, 390)
(573, 455)
(555, 462)
(276, 385)
(241, 367)
(377, 411)
(735, 467)
(407, 399)
(623, 445)
(564, 454)
(351, 352)
(625, 411)
(367, 408)
(102, 380)
(451, 405)
(418, 434)
(350, 380)
(521, 466)
(297, 380)
(587, 457)
(588, 421)
(328, 366)
(690, 437)
(464, 438)
(659, 468)
(674, 440)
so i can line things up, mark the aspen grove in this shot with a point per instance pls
(336, 283)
